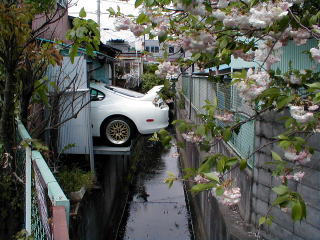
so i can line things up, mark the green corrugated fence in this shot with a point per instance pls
(197, 89)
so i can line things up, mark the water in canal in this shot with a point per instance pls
(154, 211)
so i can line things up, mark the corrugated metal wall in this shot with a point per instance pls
(296, 55)
(72, 81)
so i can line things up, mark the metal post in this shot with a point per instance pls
(28, 190)
(190, 95)
(98, 12)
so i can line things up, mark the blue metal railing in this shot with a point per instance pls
(42, 192)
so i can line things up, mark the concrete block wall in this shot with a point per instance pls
(256, 185)
(267, 127)
(213, 220)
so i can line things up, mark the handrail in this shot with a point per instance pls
(55, 193)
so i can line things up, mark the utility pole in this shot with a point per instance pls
(98, 13)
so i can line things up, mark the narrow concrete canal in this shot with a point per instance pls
(154, 211)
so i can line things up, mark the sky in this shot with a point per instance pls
(107, 29)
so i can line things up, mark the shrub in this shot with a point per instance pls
(72, 180)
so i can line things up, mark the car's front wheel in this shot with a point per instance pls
(117, 131)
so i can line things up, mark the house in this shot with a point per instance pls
(129, 64)
(156, 50)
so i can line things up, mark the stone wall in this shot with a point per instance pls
(269, 126)
(256, 188)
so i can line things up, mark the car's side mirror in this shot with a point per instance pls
(94, 98)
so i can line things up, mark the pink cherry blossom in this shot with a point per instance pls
(199, 179)
(315, 53)
(298, 176)
(224, 117)
(300, 115)
(297, 157)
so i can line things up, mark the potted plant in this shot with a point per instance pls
(75, 182)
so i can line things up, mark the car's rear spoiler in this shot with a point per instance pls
(152, 93)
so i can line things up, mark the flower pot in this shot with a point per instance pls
(78, 195)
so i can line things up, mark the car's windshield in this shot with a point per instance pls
(126, 92)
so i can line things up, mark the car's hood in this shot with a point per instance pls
(152, 93)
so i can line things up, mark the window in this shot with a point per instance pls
(148, 49)
(96, 95)
(156, 49)
(171, 49)
(152, 49)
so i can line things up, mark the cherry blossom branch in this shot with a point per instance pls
(304, 27)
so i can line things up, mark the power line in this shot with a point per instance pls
(120, 2)
(88, 12)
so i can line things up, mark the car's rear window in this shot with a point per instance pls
(126, 92)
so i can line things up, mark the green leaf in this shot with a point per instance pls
(243, 164)
(227, 134)
(231, 161)
(262, 220)
(303, 208)
(219, 191)
(296, 212)
(281, 189)
(221, 165)
(285, 144)
(275, 156)
(189, 172)
(201, 130)
(82, 13)
(196, 56)
(207, 164)
(270, 92)
(171, 174)
(314, 85)
(203, 186)
(111, 11)
(212, 176)
(284, 102)
(280, 200)
(162, 38)
(269, 220)
(142, 18)
(138, 3)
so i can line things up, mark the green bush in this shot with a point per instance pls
(149, 80)
(71, 180)
(150, 68)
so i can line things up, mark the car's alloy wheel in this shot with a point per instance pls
(118, 131)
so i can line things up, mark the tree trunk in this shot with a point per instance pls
(7, 123)
(26, 94)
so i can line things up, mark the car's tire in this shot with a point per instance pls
(117, 131)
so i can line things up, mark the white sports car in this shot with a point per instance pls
(117, 113)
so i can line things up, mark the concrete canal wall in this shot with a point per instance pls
(211, 219)
(215, 221)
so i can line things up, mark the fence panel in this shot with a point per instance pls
(242, 140)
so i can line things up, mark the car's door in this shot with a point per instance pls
(98, 100)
